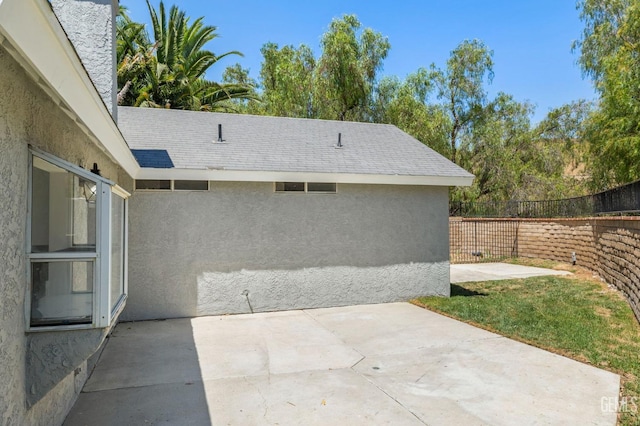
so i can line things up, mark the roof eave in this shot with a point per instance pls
(273, 176)
(31, 33)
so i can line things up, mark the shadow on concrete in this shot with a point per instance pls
(457, 290)
(149, 373)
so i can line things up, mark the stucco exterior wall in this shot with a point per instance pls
(241, 244)
(38, 366)
(90, 25)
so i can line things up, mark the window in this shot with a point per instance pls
(77, 246)
(305, 187)
(153, 184)
(289, 186)
(321, 187)
(177, 185)
(191, 185)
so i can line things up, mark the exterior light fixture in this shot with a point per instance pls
(88, 190)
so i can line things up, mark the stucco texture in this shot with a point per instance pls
(241, 246)
(93, 38)
(29, 116)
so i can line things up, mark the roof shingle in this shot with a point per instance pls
(262, 143)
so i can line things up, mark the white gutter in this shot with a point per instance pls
(263, 176)
(31, 33)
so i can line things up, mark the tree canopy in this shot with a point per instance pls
(610, 55)
(347, 69)
(445, 106)
(168, 70)
(338, 84)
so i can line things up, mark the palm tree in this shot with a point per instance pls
(170, 71)
(134, 54)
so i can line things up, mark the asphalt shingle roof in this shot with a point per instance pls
(261, 143)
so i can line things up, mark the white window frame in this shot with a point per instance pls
(102, 315)
(113, 313)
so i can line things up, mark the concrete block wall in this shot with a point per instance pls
(609, 246)
(557, 240)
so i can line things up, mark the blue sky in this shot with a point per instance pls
(531, 40)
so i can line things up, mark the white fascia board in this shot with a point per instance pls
(264, 176)
(35, 38)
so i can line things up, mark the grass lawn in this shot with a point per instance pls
(576, 316)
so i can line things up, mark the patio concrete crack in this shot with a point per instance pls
(358, 361)
(264, 400)
(336, 336)
(394, 399)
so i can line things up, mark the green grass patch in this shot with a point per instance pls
(576, 317)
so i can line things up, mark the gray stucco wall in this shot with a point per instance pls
(38, 366)
(200, 253)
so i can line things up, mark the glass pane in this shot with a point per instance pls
(290, 186)
(190, 185)
(321, 187)
(61, 293)
(117, 249)
(153, 184)
(63, 210)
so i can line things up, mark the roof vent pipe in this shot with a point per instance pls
(219, 132)
(339, 145)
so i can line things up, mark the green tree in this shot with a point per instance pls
(461, 87)
(564, 127)
(513, 160)
(347, 69)
(287, 80)
(237, 75)
(610, 55)
(338, 85)
(406, 105)
(169, 72)
(134, 53)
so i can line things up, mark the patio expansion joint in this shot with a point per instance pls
(140, 386)
(358, 361)
(337, 337)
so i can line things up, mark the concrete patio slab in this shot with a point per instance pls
(373, 364)
(468, 272)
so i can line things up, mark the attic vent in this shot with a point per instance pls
(220, 133)
(339, 144)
